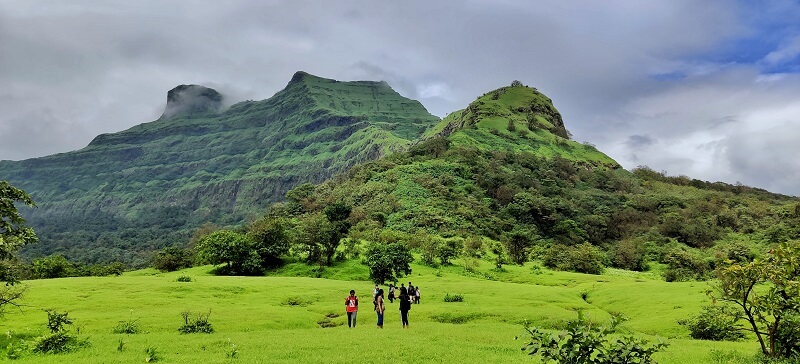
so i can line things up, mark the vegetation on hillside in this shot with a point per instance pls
(148, 187)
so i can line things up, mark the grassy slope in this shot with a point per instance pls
(253, 314)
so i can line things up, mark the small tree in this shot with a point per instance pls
(518, 244)
(172, 258)
(449, 249)
(13, 236)
(388, 262)
(54, 266)
(270, 240)
(232, 249)
(337, 214)
(768, 294)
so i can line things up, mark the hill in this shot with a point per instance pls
(130, 192)
(502, 176)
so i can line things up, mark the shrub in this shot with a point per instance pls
(715, 323)
(453, 297)
(683, 265)
(59, 340)
(126, 327)
(56, 342)
(448, 249)
(629, 255)
(152, 354)
(198, 324)
(172, 258)
(584, 258)
(473, 247)
(586, 343)
(184, 278)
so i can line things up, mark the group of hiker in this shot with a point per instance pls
(405, 296)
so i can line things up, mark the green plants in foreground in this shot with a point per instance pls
(453, 297)
(584, 342)
(197, 324)
(152, 354)
(184, 278)
(60, 339)
(715, 323)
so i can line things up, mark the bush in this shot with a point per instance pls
(629, 255)
(59, 340)
(184, 278)
(586, 343)
(172, 259)
(126, 327)
(453, 298)
(584, 258)
(715, 323)
(198, 324)
(683, 265)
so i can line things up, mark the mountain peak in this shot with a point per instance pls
(185, 100)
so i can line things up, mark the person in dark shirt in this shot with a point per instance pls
(405, 306)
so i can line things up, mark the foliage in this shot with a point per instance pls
(583, 258)
(152, 354)
(518, 244)
(767, 294)
(684, 265)
(630, 255)
(453, 297)
(54, 266)
(183, 278)
(270, 239)
(14, 234)
(449, 249)
(583, 342)
(233, 249)
(715, 323)
(129, 327)
(388, 262)
(197, 323)
(173, 258)
(59, 339)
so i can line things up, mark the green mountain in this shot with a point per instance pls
(501, 178)
(147, 187)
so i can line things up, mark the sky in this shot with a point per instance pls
(707, 89)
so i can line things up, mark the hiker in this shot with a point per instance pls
(391, 293)
(375, 295)
(412, 292)
(380, 308)
(351, 306)
(405, 306)
(416, 294)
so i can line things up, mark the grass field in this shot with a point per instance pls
(276, 319)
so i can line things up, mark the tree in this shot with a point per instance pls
(270, 240)
(388, 262)
(337, 214)
(172, 258)
(14, 234)
(54, 266)
(232, 249)
(518, 244)
(768, 294)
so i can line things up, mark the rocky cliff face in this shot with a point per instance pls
(188, 100)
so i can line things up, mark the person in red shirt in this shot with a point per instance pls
(351, 306)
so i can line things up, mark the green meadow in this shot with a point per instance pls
(279, 318)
